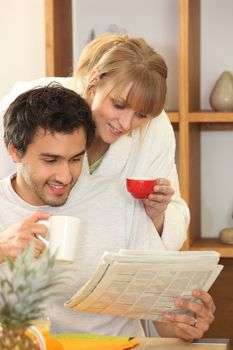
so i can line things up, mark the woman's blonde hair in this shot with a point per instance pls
(122, 60)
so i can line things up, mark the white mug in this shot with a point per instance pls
(63, 236)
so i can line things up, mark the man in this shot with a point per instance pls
(46, 133)
(36, 125)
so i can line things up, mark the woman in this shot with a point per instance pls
(124, 81)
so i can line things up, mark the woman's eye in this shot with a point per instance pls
(118, 105)
(141, 115)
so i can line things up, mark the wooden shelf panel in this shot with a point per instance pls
(226, 250)
(58, 37)
(173, 116)
(210, 117)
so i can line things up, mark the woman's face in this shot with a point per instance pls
(112, 116)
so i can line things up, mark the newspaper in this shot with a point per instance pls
(144, 285)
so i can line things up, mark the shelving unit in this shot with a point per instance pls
(190, 121)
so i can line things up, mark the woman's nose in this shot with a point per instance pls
(125, 120)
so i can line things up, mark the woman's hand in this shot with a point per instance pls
(157, 202)
(189, 326)
(18, 236)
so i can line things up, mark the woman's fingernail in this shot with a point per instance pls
(179, 302)
(196, 293)
(167, 316)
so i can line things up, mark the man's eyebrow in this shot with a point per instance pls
(54, 155)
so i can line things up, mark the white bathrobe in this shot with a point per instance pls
(149, 151)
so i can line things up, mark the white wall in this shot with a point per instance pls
(155, 20)
(22, 41)
(217, 146)
(216, 44)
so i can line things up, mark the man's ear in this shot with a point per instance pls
(13, 153)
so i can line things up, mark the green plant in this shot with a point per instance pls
(24, 285)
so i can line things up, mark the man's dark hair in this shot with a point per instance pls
(52, 108)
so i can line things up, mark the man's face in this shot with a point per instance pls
(50, 167)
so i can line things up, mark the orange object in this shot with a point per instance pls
(53, 344)
(93, 344)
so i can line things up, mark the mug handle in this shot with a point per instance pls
(43, 240)
(39, 336)
(46, 223)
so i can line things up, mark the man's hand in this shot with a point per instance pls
(18, 236)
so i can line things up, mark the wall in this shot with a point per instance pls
(155, 20)
(22, 41)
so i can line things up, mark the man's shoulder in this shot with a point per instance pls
(4, 183)
(6, 193)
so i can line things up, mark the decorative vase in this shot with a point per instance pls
(226, 235)
(221, 97)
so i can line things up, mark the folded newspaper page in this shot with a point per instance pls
(144, 285)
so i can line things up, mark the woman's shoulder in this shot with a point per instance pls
(158, 128)
(21, 86)
(161, 121)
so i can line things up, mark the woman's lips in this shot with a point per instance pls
(114, 131)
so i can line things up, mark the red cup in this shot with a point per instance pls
(140, 188)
